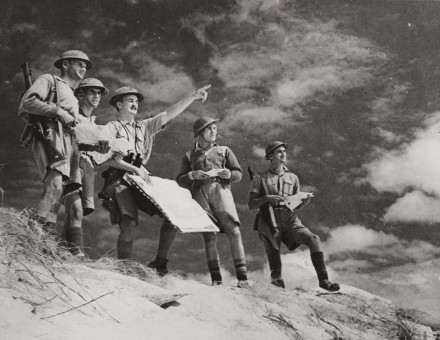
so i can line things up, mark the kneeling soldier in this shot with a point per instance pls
(276, 223)
(214, 195)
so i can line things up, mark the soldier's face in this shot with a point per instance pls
(209, 134)
(91, 97)
(76, 69)
(128, 104)
(279, 156)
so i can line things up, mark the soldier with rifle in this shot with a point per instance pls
(119, 198)
(51, 102)
(81, 203)
(277, 223)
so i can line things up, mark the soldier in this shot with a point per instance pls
(208, 171)
(58, 118)
(276, 223)
(121, 200)
(79, 204)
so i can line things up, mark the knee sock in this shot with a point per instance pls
(74, 238)
(318, 263)
(240, 269)
(275, 265)
(214, 270)
(125, 249)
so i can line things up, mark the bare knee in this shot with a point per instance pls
(234, 233)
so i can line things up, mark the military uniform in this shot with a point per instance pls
(214, 194)
(141, 135)
(291, 231)
(34, 102)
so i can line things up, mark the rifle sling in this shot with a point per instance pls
(271, 212)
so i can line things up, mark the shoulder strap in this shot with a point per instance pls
(271, 212)
(53, 91)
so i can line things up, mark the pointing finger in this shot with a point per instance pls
(205, 87)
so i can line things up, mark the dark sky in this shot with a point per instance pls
(352, 86)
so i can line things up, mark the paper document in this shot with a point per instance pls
(292, 202)
(175, 202)
(213, 172)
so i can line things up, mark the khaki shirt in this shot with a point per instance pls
(34, 99)
(141, 134)
(285, 184)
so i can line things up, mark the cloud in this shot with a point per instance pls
(414, 206)
(412, 171)
(414, 165)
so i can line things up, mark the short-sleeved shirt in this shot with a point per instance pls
(34, 100)
(141, 134)
(285, 184)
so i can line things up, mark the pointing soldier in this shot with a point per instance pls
(276, 223)
(122, 203)
(212, 191)
(52, 100)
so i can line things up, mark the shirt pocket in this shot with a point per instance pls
(287, 189)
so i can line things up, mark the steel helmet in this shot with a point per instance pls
(92, 82)
(122, 91)
(73, 54)
(272, 146)
(202, 123)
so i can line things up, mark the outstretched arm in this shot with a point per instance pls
(181, 105)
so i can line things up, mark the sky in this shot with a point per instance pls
(351, 86)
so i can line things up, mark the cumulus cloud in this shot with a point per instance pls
(414, 206)
(411, 171)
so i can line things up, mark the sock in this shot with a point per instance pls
(318, 263)
(214, 269)
(74, 238)
(275, 265)
(240, 269)
(125, 249)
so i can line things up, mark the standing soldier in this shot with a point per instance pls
(52, 100)
(208, 171)
(121, 200)
(276, 223)
(79, 204)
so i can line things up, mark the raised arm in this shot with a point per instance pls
(181, 105)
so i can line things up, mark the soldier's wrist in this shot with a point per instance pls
(190, 175)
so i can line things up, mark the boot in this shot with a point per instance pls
(159, 265)
(214, 270)
(278, 282)
(321, 271)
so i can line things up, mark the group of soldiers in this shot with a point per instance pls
(63, 101)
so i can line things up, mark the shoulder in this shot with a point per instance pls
(292, 176)
(44, 78)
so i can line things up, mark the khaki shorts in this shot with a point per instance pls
(217, 200)
(66, 143)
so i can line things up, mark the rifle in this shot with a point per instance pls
(36, 127)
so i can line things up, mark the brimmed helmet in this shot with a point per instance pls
(123, 91)
(73, 54)
(272, 146)
(202, 123)
(92, 82)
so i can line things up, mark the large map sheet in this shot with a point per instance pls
(175, 202)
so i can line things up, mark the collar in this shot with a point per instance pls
(198, 148)
(125, 123)
(281, 174)
(92, 118)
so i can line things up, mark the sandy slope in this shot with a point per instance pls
(131, 310)
(43, 298)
